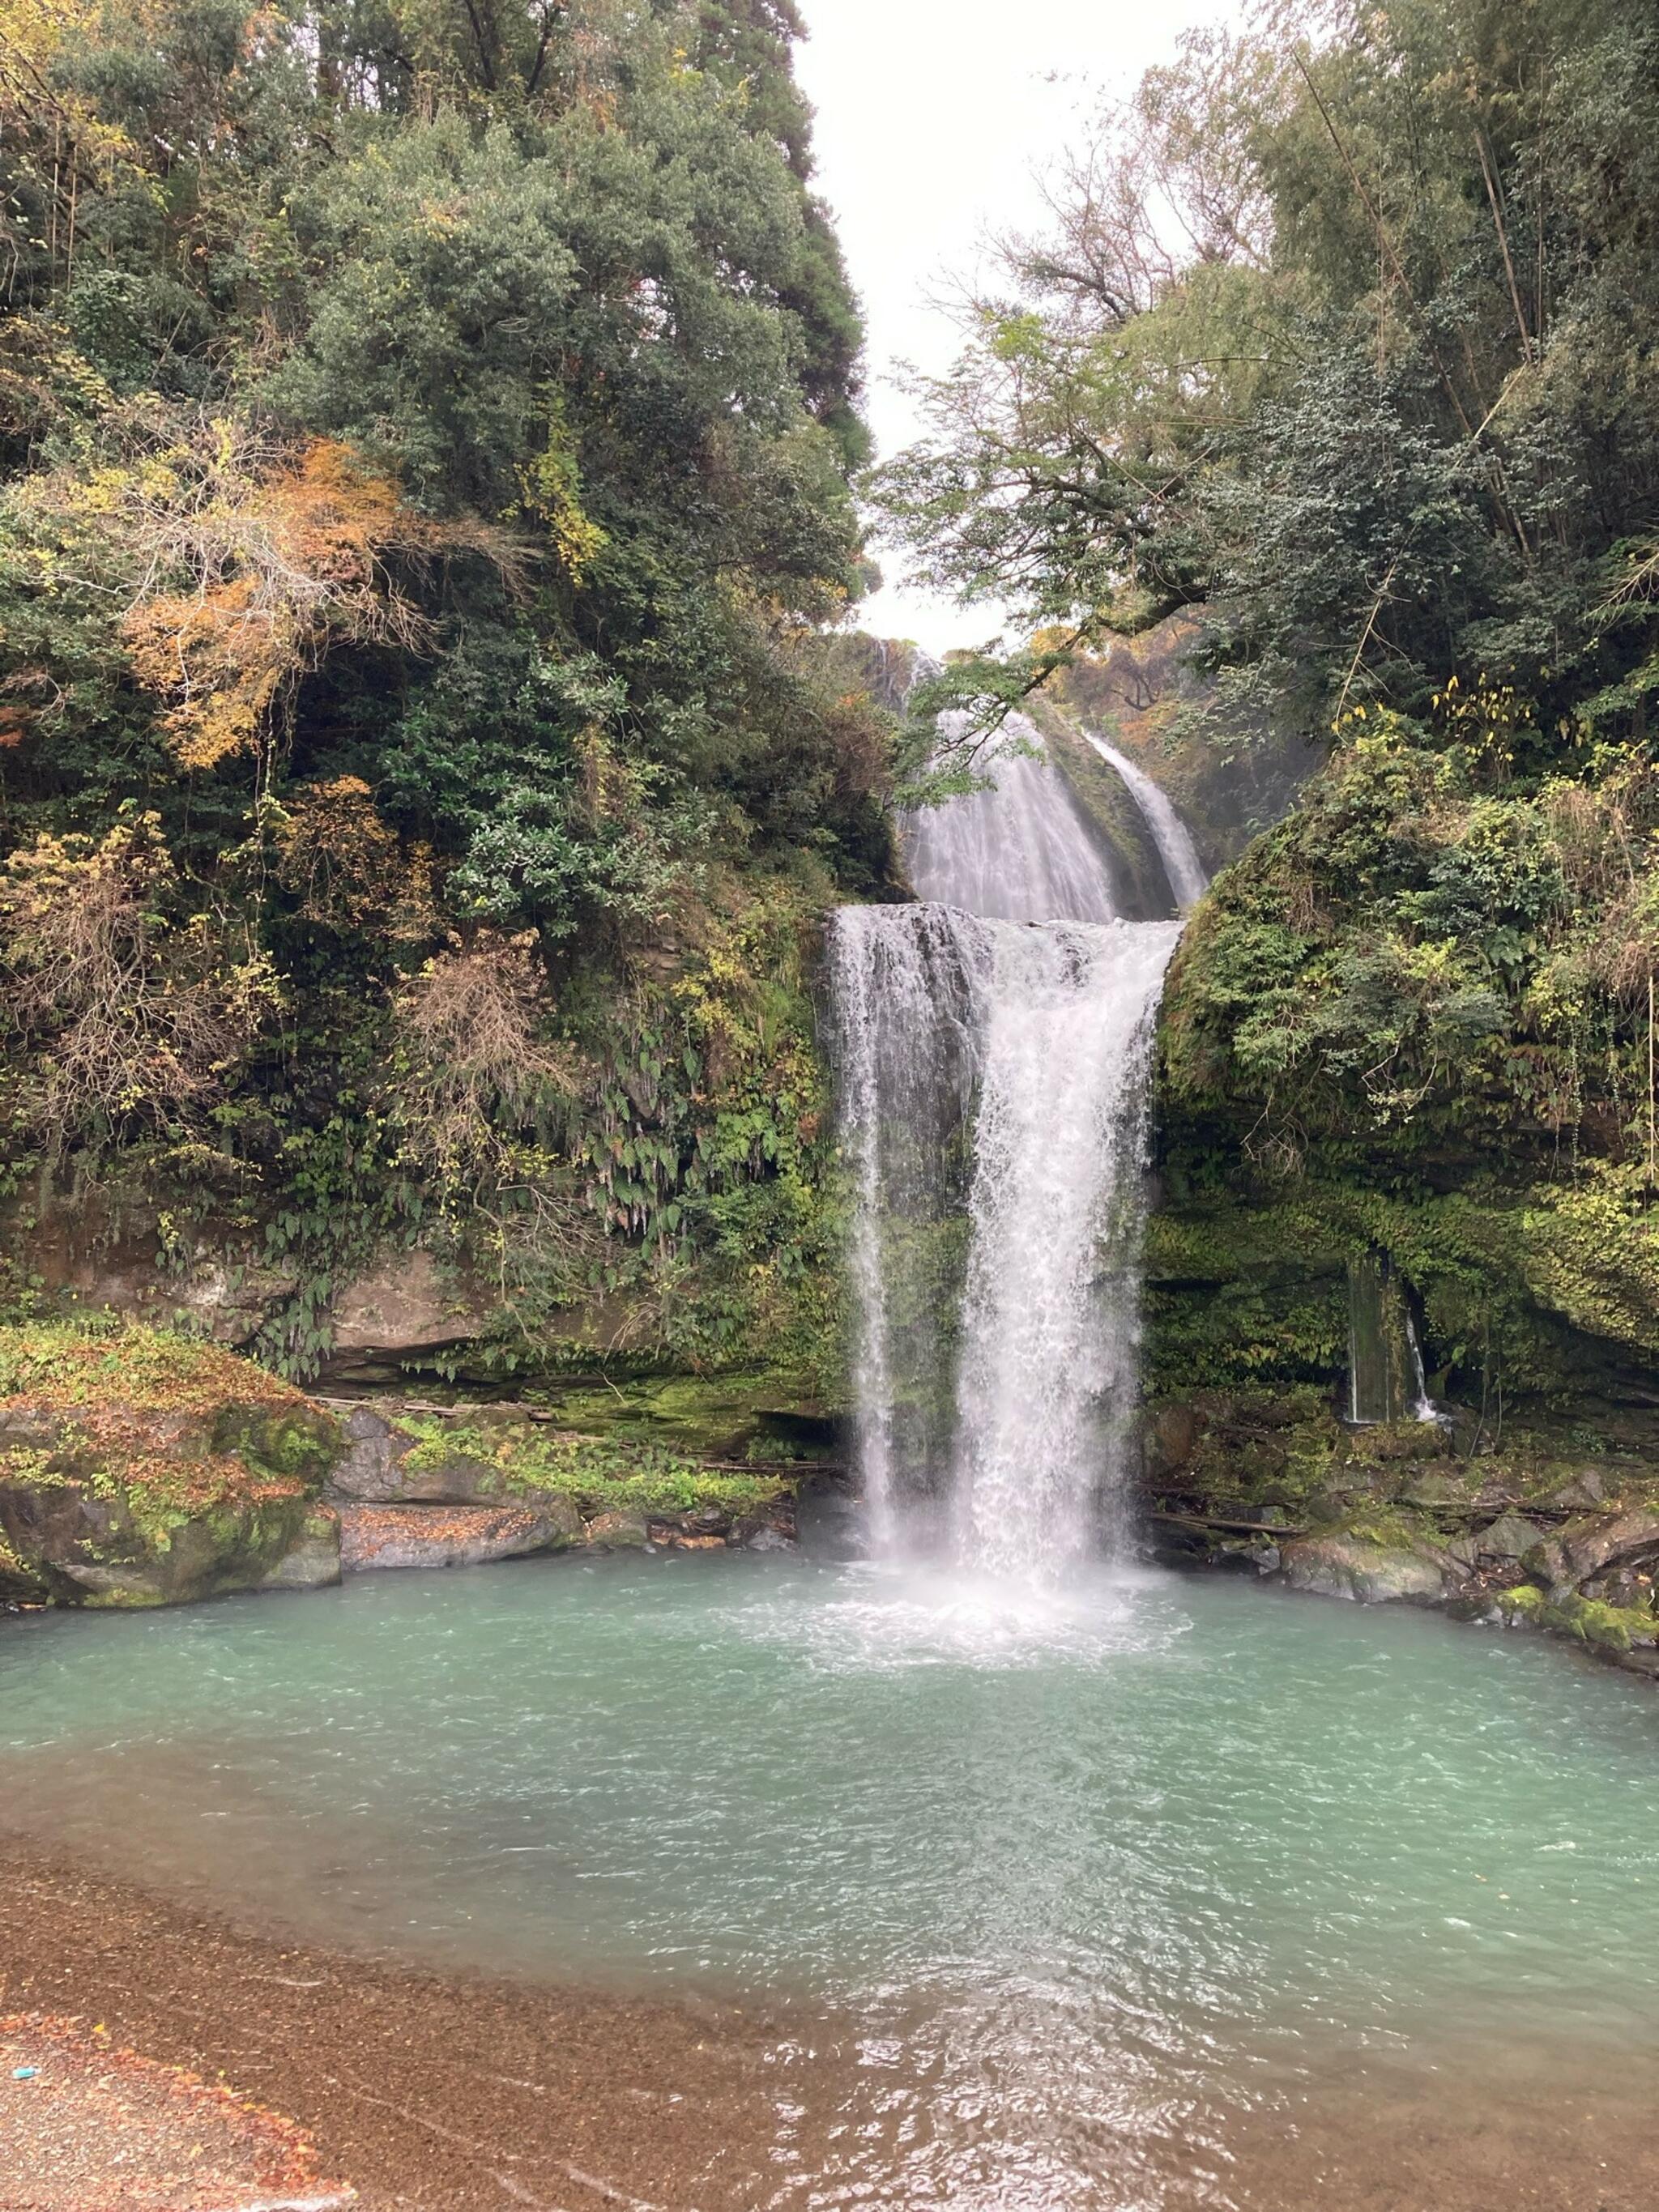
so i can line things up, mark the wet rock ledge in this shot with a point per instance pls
(1554, 1527)
(419, 1485)
(140, 1469)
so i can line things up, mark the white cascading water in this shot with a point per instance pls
(992, 1051)
(1019, 852)
(1185, 871)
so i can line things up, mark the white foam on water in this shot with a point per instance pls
(884, 1617)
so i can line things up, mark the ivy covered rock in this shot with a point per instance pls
(1404, 1101)
(140, 1468)
(1410, 1026)
(516, 552)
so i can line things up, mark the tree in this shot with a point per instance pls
(1336, 333)
(425, 434)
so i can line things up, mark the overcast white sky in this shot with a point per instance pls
(931, 115)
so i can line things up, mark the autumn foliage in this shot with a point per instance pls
(426, 453)
(250, 570)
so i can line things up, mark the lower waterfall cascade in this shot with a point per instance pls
(993, 1049)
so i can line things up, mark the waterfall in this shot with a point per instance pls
(1187, 879)
(910, 984)
(1019, 853)
(1048, 1364)
(1385, 1381)
(992, 1052)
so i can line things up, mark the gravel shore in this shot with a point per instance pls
(421, 2090)
(474, 2095)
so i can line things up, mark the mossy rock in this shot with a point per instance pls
(301, 1442)
(82, 1550)
(477, 1456)
(1134, 867)
(141, 1469)
(1352, 1566)
(1611, 1630)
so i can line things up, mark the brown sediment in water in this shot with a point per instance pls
(447, 2090)
(422, 2090)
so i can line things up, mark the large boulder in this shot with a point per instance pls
(1587, 1549)
(382, 1536)
(390, 1460)
(140, 1469)
(1506, 1540)
(402, 1308)
(620, 1532)
(627, 1489)
(1353, 1567)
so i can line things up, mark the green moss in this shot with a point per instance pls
(701, 1227)
(768, 1414)
(1390, 1028)
(1609, 1628)
(1390, 1528)
(601, 1474)
(297, 1441)
(176, 1469)
(97, 1361)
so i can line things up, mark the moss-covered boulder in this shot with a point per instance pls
(1401, 1032)
(141, 1469)
(513, 1455)
(1404, 1115)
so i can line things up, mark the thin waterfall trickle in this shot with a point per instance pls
(1189, 880)
(1386, 1379)
(993, 1048)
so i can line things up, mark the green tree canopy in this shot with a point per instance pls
(1344, 329)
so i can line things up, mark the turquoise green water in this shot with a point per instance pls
(1129, 1855)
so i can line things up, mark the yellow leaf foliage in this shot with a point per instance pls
(284, 565)
(347, 866)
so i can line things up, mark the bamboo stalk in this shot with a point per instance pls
(1385, 242)
(1487, 171)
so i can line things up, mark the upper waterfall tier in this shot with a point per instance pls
(1020, 852)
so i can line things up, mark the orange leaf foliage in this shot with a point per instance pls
(284, 565)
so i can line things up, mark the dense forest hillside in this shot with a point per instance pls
(426, 441)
